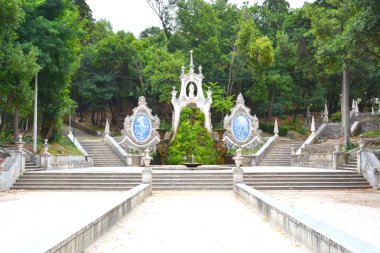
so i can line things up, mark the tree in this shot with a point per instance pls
(341, 39)
(55, 28)
(17, 65)
(163, 10)
(259, 56)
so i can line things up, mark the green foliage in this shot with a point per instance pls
(192, 139)
(220, 101)
(336, 117)
(283, 130)
(371, 134)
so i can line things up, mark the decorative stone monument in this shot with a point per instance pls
(241, 127)
(139, 131)
(191, 93)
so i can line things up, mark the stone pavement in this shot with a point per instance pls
(356, 212)
(192, 221)
(35, 221)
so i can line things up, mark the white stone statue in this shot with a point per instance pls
(191, 91)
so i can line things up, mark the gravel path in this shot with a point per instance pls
(189, 221)
(356, 212)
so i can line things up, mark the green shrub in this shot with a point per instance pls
(336, 117)
(283, 131)
(192, 139)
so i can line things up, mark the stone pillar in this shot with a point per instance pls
(361, 143)
(147, 175)
(338, 156)
(237, 175)
(147, 171)
(238, 171)
(19, 152)
(45, 156)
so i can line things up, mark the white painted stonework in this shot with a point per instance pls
(193, 82)
(241, 127)
(140, 128)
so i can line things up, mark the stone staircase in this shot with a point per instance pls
(102, 154)
(306, 180)
(279, 155)
(190, 180)
(32, 166)
(351, 164)
(77, 181)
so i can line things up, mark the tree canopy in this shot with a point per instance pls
(283, 60)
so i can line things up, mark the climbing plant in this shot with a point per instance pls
(192, 140)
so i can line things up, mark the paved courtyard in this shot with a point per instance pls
(189, 221)
(35, 221)
(356, 212)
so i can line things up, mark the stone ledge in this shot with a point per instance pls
(312, 233)
(83, 238)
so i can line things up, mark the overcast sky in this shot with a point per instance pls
(136, 15)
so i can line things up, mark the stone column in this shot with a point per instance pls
(361, 143)
(238, 171)
(147, 171)
(45, 156)
(19, 152)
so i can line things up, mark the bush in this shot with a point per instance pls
(192, 139)
(336, 117)
(283, 131)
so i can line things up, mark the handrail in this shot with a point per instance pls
(77, 144)
(312, 137)
(370, 168)
(116, 147)
(256, 158)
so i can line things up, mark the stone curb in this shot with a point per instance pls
(83, 238)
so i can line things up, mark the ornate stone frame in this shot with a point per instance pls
(253, 138)
(129, 142)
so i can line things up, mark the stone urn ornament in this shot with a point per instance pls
(147, 159)
(238, 158)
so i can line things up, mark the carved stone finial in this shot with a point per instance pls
(142, 101)
(209, 92)
(200, 69)
(240, 99)
(191, 59)
(275, 130)
(174, 92)
(312, 125)
(183, 69)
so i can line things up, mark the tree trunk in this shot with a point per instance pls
(93, 118)
(270, 107)
(345, 107)
(15, 125)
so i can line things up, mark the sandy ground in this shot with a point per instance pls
(32, 221)
(356, 212)
(202, 221)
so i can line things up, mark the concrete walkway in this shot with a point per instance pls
(194, 222)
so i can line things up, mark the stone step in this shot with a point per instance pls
(102, 154)
(318, 179)
(76, 188)
(190, 188)
(312, 187)
(77, 181)
(84, 180)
